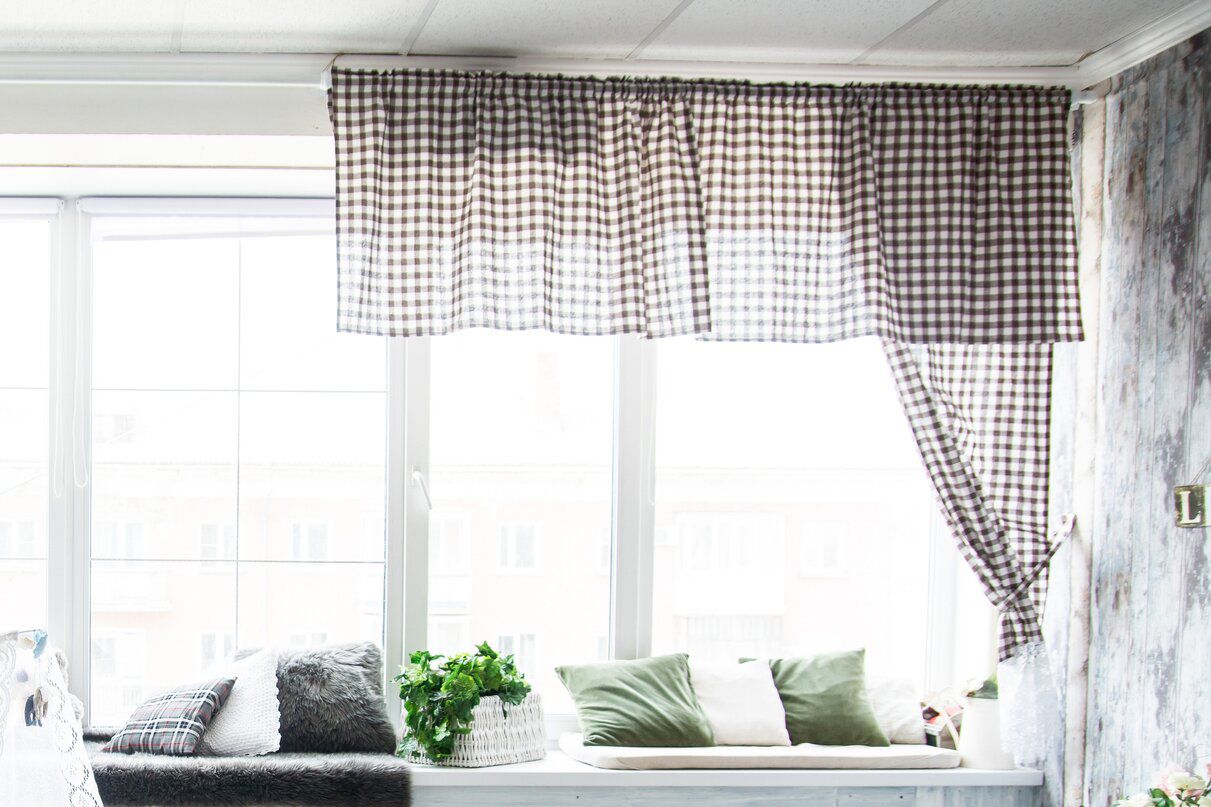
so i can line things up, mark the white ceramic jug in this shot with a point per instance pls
(980, 736)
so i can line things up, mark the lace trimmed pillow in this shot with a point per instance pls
(250, 722)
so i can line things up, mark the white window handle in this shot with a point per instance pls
(418, 479)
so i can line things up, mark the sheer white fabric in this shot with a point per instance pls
(1031, 724)
(43, 762)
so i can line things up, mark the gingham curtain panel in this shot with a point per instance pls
(766, 212)
(981, 416)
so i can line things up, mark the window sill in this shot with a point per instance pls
(560, 770)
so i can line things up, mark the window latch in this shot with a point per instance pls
(418, 479)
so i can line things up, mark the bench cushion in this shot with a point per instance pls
(283, 779)
(804, 756)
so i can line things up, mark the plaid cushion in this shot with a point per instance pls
(172, 723)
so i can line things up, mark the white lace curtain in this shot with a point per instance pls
(42, 756)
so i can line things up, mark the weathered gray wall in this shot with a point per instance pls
(1149, 698)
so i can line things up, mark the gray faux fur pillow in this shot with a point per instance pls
(332, 699)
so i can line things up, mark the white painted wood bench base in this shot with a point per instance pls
(523, 796)
(558, 781)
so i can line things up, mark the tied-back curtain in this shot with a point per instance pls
(981, 416)
(937, 218)
(735, 211)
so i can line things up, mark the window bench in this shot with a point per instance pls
(560, 781)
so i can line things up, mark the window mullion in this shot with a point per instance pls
(397, 476)
(634, 505)
(408, 555)
(68, 544)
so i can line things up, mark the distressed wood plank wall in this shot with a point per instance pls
(1150, 637)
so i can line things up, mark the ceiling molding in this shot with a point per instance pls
(190, 69)
(1145, 43)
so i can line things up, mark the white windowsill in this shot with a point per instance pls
(560, 770)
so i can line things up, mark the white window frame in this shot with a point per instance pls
(408, 395)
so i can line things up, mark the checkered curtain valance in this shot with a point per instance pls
(938, 218)
(737, 211)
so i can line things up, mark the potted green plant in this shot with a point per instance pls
(469, 710)
(980, 737)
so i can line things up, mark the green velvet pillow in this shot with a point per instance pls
(825, 700)
(647, 703)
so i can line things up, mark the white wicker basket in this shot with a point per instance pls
(496, 739)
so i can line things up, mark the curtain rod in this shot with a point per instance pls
(760, 72)
(763, 72)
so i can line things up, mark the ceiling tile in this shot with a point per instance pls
(86, 25)
(781, 30)
(1022, 33)
(569, 28)
(297, 26)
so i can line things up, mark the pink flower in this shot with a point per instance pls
(1178, 784)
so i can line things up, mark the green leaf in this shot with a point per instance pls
(440, 694)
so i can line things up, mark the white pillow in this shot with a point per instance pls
(249, 723)
(897, 708)
(741, 702)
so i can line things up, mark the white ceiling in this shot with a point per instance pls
(882, 32)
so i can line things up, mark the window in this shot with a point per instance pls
(521, 647)
(238, 444)
(521, 446)
(518, 547)
(309, 541)
(822, 550)
(216, 541)
(566, 499)
(118, 660)
(215, 646)
(314, 639)
(25, 273)
(118, 539)
(450, 568)
(799, 506)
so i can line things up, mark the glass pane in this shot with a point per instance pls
(165, 313)
(25, 303)
(288, 336)
(224, 429)
(787, 481)
(310, 604)
(22, 594)
(24, 488)
(312, 475)
(150, 629)
(164, 474)
(520, 457)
